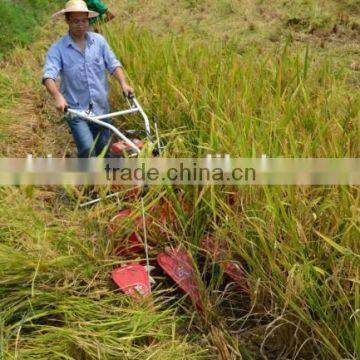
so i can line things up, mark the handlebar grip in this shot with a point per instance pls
(129, 95)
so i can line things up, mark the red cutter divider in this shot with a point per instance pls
(123, 214)
(133, 280)
(132, 245)
(234, 271)
(121, 146)
(178, 265)
(230, 267)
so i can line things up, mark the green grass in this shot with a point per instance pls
(20, 21)
(298, 245)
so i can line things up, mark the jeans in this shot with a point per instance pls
(90, 139)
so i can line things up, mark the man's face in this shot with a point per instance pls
(78, 23)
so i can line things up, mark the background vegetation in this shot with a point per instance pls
(19, 21)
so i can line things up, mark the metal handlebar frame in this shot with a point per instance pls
(135, 108)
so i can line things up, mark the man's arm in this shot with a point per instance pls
(108, 16)
(120, 77)
(53, 65)
(114, 67)
(51, 87)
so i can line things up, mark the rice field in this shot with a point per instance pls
(298, 245)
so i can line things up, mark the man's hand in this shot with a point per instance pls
(60, 103)
(127, 89)
(109, 15)
(120, 77)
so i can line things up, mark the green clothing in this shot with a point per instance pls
(98, 6)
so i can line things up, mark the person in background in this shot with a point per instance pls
(102, 9)
(82, 58)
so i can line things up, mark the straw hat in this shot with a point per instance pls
(75, 6)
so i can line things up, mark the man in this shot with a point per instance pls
(82, 58)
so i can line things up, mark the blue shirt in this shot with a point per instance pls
(83, 75)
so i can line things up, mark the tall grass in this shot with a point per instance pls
(298, 244)
(285, 103)
(57, 301)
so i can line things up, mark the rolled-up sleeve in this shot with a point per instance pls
(111, 62)
(52, 64)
